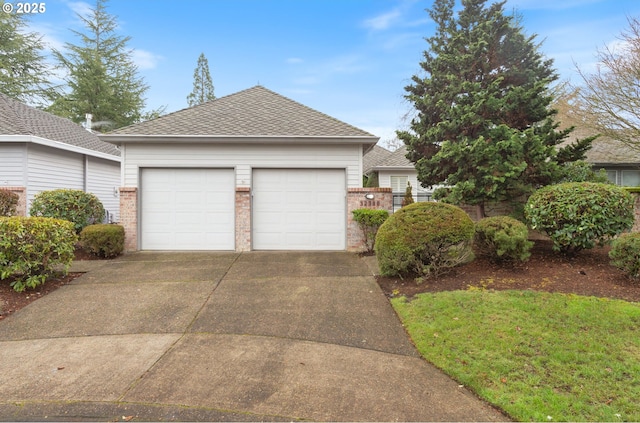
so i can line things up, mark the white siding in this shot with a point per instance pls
(243, 157)
(384, 179)
(13, 160)
(103, 180)
(49, 169)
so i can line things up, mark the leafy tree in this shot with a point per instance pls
(23, 71)
(610, 97)
(202, 84)
(484, 124)
(101, 75)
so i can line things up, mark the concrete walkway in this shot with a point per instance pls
(259, 336)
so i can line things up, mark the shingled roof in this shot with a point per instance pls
(373, 158)
(397, 159)
(256, 111)
(605, 150)
(17, 118)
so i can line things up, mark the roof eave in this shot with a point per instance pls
(393, 168)
(59, 145)
(119, 139)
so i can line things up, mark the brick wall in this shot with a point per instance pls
(21, 208)
(382, 200)
(129, 217)
(243, 219)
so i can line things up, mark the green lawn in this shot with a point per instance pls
(538, 356)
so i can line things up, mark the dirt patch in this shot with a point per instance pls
(12, 301)
(588, 273)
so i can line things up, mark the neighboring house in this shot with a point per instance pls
(395, 171)
(252, 170)
(372, 158)
(621, 162)
(41, 152)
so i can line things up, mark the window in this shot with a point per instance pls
(630, 178)
(612, 176)
(399, 183)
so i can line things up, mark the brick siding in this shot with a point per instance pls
(243, 219)
(129, 217)
(383, 200)
(21, 207)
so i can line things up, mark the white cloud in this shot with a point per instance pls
(145, 59)
(383, 21)
(548, 4)
(81, 8)
(294, 60)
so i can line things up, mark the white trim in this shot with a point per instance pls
(59, 145)
(236, 139)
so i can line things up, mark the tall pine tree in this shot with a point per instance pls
(101, 76)
(202, 84)
(484, 125)
(24, 74)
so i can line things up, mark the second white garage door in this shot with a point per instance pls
(187, 209)
(299, 209)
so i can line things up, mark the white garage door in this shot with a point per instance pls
(187, 209)
(299, 209)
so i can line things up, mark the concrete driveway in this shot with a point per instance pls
(275, 336)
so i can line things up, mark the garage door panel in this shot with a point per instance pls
(187, 209)
(299, 209)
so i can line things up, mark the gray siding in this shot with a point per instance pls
(13, 159)
(49, 169)
(103, 180)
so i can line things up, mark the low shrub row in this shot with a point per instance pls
(102, 240)
(429, 238)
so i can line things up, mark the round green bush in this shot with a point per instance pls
(424, 239)
(78, 207)
(580, 215)
(502, 239)
(103, 240)
(625, 254)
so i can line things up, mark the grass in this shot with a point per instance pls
(538, 356)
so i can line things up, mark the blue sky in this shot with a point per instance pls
(347, 58)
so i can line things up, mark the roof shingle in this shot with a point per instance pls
(17, 118)
(256, 111)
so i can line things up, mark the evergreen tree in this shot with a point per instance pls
(408, 195)
(484, 124)
(101, 76)
(202, 84)
(23, 72)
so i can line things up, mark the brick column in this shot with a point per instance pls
(382, 200)
(21, 207)
(129, 217)
(243, 219)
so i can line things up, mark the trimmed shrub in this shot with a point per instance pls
(580, 215)
(369, 221)
(103, 240)
(8, 202)
(408, 196)
(34, 248)
(502, 239)
(625, 254)
(79, 207)
(424, 239)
